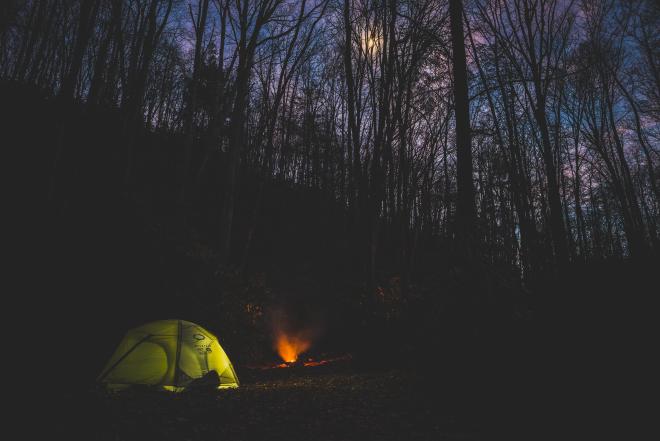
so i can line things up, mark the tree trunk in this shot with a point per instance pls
(465, 210)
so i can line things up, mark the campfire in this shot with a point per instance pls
(291, 347)
(291, 343)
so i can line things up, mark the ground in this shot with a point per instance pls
(317, 403)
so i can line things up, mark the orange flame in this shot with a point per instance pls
(289, 347)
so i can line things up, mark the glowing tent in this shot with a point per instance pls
(168, 354)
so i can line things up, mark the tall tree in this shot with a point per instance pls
(465, 210)
(198, 21)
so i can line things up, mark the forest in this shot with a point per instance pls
(365, 173)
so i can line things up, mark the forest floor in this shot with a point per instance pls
(318, 403)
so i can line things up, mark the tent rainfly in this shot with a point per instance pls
(168, 354)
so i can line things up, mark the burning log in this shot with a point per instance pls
(310, 362)
(297, 363)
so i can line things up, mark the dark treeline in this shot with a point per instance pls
(356, 99)
(383, 136)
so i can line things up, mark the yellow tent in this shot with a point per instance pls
(168, 354)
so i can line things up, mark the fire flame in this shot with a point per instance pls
(289, 347)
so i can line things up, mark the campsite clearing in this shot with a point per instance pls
(315, 404)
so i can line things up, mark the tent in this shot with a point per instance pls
(168, 354)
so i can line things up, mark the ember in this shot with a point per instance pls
(310, 362)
